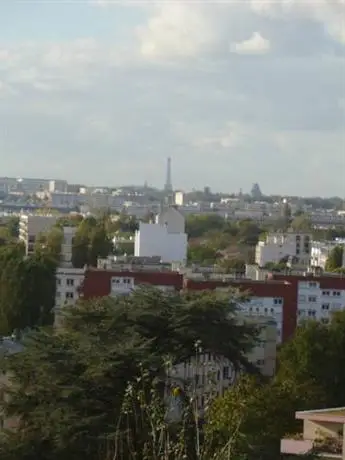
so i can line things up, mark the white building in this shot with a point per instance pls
(31, 226)
(58, 186)
(208, 375)
(280, 245)
(319, 301)
(68, 279)
(320, 251)
(179, 198)
(165, 238)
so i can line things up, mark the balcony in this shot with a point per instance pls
(323, 434)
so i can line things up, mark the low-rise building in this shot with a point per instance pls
(321, 250)
(323, 434)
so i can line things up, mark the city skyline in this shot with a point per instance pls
(234, 93)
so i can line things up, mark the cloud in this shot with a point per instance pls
(330, 14)
(99, 110)
(256, 44)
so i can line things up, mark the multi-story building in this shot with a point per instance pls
(165, 238)
(320, 251)
(58, 186)
(278, 246)
(270, 300)
(31, 226)
(103, 283)
(315, 297)
(206, 374)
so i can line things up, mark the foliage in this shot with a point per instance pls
(70, 385)
(255, 416)
(335, 259)
(91, 241)
(49, 244)
(314, 357)
(201, 254)
(302, 223)
(25, 301)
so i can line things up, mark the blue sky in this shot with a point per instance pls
(235, 93)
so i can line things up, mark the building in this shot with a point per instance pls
(270, 300)
(179, 198)
(165, 238)
(320, 251)
(68, 278)
(278, 246)
(315, 297)
(31, 226)
(103, 283)
(319, 427)
(58, 186)
(210, 375)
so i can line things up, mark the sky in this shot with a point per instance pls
(235, 92)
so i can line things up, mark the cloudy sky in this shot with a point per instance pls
(236, 92)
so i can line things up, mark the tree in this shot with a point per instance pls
(70, 385)
(335, 259)
(27, 289)
(202, 254)
(314, 357)
(302, 223)
(50, 244)
(255, 416)
(91, 241)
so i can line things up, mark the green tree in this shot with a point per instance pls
(70, 385)
(314, 357)
(302, 223)
(255, 416)
(50, 244)
(335, 259)
(201, 254)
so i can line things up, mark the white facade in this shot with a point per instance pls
(31, 226)
(280, 245)
(318, 303)
(166, 238)
(179, 198)
(320, 252)
(265, 308)
(58, 186)
(209, 375)
(68, 281)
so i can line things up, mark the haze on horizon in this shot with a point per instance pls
(102, 92)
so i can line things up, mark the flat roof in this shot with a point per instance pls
(336, 414)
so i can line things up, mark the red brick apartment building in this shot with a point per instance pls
(288, 299)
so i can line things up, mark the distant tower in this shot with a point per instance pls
(168, 184)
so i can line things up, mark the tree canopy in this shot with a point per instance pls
(70, 385)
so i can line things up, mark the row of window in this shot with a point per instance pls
(335, 293)
(122, 280)
(69, 282)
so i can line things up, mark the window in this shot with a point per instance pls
(260, 362)
(325, 292)
(70, 282)
(69, 295)
(218, 375)
(311, 298)
(266, 310)
(325, 306)
(225, 372)
(312, 284)
(301, 298)
(336, 293)
(58, 281)
(278, 301)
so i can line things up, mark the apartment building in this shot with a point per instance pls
(31, 226)
(321, 250)
(315, 297)
(270, 300)
(278, 246)
(206, 374)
